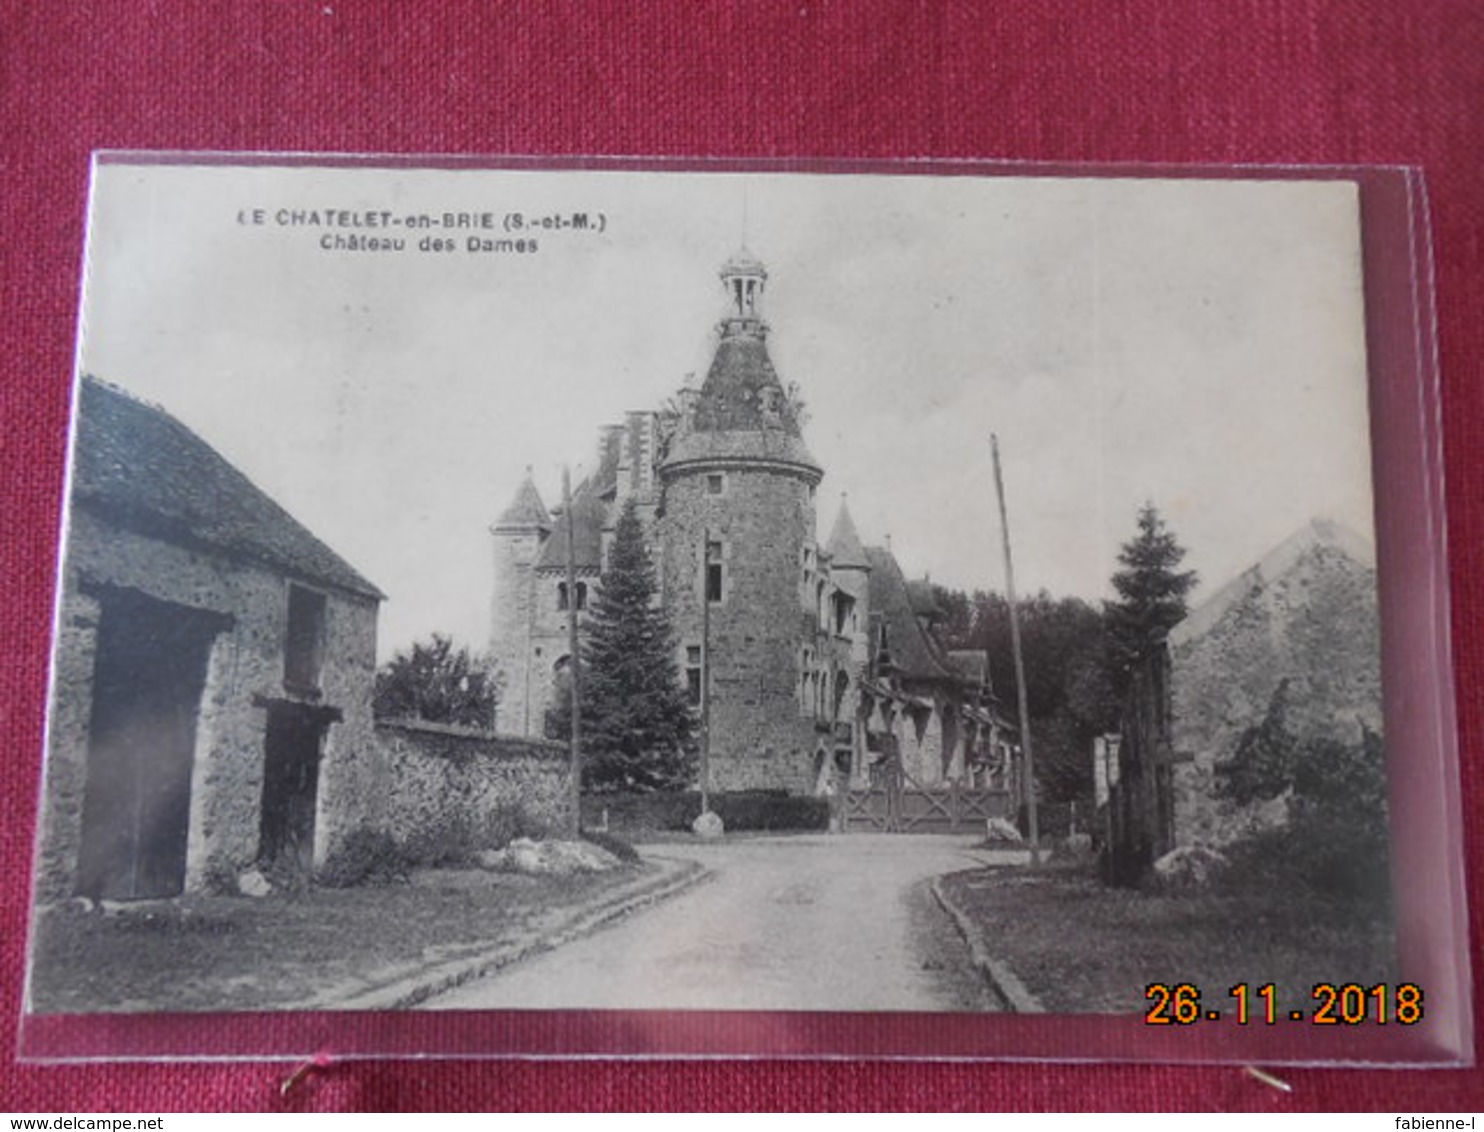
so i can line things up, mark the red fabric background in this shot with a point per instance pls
(1076, 80)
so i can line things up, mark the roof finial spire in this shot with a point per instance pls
(744, 277)
(744, 213)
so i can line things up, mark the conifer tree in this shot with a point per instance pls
(1151, 589)
(637, 723)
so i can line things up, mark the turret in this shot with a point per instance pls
(738, 510)
(850, 573)
(519, 534)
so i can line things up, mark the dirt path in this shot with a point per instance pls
(796, 923)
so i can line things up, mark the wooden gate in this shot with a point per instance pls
(895, 802)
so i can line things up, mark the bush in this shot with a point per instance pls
(1335, 841)
(505, 823)
(444, 840)
(366, 856)
(220, 878)
(1316, 856)
(454, 839)
(771, 811)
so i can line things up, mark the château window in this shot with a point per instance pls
(561, 595)
(716, 483)
(304, 644)
(581, 595)
(693, 672)
(714, 589)
(844, 611)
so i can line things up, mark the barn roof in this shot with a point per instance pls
(145, 470)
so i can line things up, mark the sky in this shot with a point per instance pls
(1198, 344)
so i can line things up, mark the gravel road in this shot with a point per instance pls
(827, 922)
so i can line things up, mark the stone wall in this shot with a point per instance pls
(452, 777)
(245, 667)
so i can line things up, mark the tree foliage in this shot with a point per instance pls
(637, 724)
(1151, 588)
(436, 682)
(1068, 691)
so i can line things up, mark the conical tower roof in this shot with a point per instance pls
(845, 549)
(526, 511)
(742, 411)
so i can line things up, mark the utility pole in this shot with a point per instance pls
(1020, 696)
(705, 671)
(574, 663)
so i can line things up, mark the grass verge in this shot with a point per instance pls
(1081, 947)
(276, 953)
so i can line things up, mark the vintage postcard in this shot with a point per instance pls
(697, 591)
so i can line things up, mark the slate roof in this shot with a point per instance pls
(913, 653)
(143, 469)
(610, 449)
(731, 396)
(730, 421)
(844, 547)
(526, 509)
(588, 516)
(772, 444)
(743, 263)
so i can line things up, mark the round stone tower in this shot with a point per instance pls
(737, 516)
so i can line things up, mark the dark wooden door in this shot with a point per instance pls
(149, 670)
(291, 786)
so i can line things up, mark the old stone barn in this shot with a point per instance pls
(212, 688)
(823, 664)
(211, 685)
(1299, 627)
